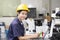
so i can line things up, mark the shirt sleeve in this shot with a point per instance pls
(17, 30)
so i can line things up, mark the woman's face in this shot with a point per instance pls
(22, 15)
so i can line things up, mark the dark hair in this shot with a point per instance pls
(48, 14)
(20, 11)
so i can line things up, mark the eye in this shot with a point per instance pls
(23, 13)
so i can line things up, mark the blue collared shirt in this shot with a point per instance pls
(16, 29)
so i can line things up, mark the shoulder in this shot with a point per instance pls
(14, 22)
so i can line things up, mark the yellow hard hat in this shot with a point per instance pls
(22, 7)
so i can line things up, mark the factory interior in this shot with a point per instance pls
(43, 18)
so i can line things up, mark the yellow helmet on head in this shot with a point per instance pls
(22, 7)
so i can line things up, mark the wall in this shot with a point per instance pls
(51, 5)
(55, 3)
(46, 4)
(8, 7)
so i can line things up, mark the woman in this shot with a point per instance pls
(16, 29)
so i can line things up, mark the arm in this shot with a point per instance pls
(28, 36)
(17, 32)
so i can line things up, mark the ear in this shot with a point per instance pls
(17, 13)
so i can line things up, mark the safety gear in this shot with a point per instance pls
(22, 7)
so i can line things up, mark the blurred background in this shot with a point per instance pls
(39, 11)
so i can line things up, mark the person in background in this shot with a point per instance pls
(16, 28)
(49, 19)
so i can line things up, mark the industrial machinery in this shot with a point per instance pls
(2, 31)
(35, 25)
(55, 27)
(29, 26)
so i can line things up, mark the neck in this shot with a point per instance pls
(19, 19)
